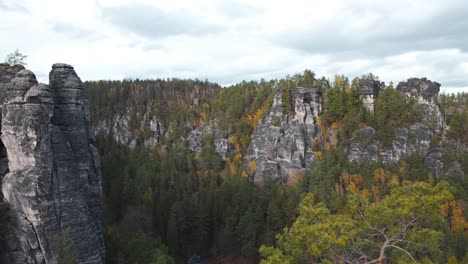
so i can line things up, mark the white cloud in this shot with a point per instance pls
(235, 40)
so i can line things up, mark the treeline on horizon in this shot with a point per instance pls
(165, 203)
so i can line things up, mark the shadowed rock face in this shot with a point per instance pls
(420, 88)
(368, 92)
(281, 143)
(53, 178)
(425, 92)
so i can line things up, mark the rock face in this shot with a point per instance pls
(416, 139)
(118, 127)
(53, 179)
(282, 143)
(425, 92)
(195, 139)
(368, 92)
(407, 141)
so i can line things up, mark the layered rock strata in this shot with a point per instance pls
(281, 145)
(53, 179)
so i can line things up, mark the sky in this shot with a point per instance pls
(234, 40)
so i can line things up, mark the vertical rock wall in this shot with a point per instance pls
(281, 144)
(53, 179)
(425, 92)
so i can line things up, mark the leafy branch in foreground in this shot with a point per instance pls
(407, 225)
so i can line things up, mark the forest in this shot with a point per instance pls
(165, 203)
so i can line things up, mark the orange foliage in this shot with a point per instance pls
(380, 177)
(253, 119)
(349, 182)
(319, 154)
(453, 211)
(252, 166)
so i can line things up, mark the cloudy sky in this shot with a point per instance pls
(234, 40)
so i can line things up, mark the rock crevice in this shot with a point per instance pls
(281, 146)
(53, 180)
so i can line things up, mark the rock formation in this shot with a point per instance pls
(53, 179)
(425, 92)
(368, 92)
(407, 141)
(119, 129)
(282, 142)
(195, 139)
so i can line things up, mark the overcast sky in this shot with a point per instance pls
(234, 40)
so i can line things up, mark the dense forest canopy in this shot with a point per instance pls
(166, 203)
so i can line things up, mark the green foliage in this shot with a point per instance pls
(321, 180)
(286, 102)
(392, 110)
(458, 126)
(276, 121)
(198, 203)
(210, 159)
(417, 171)
(405, 225)
(344, 106)
(193, 208)
(135, 248)
(64, 249)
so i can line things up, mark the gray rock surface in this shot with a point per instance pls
(281, 144)
(416, 138)
(368, 91)
(455, 170)
(425, 92)
(195, 139)
(118, 127)
(53, 179)
(406, 141)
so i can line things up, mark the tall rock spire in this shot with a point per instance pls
(53, 180)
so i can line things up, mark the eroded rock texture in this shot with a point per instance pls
(425, 92)
(282, 143)
(53, 179)
(368, 92)
(220, 141)
(415, 139)
(118, 127)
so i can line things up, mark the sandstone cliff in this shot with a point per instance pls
(425, 92)
(52, 180)
(282, 143)
(408, 140)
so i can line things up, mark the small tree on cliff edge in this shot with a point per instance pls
(16, 58)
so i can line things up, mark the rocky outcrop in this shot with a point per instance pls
(282, 142)
(221, 143)
(425, 92)
(368, 91)
(118, 127)
(53, 179)
(416, 139)
(7, 73)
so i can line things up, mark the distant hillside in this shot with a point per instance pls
(215, 172)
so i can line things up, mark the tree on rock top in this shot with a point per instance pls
(16, 58)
